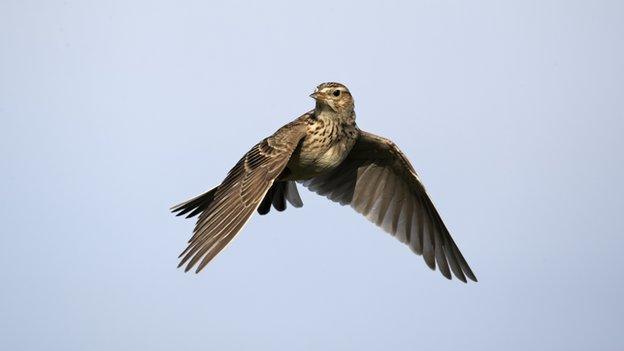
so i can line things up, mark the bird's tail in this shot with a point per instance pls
(195, 205)
(277, 196)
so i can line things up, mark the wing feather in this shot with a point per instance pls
(239, 195)
(378, 181)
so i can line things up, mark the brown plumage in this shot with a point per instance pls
(326, 152)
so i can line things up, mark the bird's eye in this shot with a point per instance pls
(336, 92)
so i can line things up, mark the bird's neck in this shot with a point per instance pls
(327, 114)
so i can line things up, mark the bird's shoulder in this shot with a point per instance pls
(288, 135)
(383, 150)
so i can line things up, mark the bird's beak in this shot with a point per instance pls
(317, 95)
(324, 99)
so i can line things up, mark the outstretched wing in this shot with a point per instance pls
(239, 195)
(378, 181)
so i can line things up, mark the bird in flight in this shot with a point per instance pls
(326, 152)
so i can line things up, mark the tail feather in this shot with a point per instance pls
(265, 205)
(195, 205)
(279, 202)
(277, 196)
(292, 194)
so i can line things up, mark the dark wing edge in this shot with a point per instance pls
(227, 208)
(378, 181)
(195, 205)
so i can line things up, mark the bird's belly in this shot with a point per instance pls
(313, 161)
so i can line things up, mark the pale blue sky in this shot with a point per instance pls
(112, 111)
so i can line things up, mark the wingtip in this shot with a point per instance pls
(430, 261)
(176, 207)
(177, 211)
(200, 268)
(468, 272)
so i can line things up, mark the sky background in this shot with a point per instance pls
(511, 111)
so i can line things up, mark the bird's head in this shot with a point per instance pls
(333, 96)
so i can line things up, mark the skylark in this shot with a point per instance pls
(326, 152)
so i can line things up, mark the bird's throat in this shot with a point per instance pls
(326, 112)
